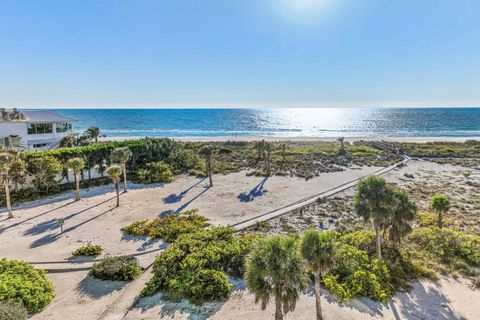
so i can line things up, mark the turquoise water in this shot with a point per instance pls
(326, 122)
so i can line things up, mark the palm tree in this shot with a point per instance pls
(403, 213)
(441, 205)
(68, 141)
(115, 172)
(18, 169)
(93, 133)
(206, 152)
(268, 149)
(77, 165)
(283, 147)
(122, 155)
(318, 249)
(342, 145)
(374, 202)
(260, 147)
(5, 165)
(275, 270)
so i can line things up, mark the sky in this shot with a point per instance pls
(239, 53)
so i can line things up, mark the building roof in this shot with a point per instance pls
(43, 116)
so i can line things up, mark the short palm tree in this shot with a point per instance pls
(5, 166)
(403, 214)
(115, 172)
(276, 270)
(93, 133)
(318, 250)
(206, 152)
(441, 205)
(122, 155)
(76, 165)
(374, 202)
(268, 150)
(342, 145)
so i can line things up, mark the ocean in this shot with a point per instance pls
(324, 122)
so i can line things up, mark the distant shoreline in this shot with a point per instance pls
(300, 139)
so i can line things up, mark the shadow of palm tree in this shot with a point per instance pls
(172, 198)
(257, 191)
(183, 206)
(52, 223)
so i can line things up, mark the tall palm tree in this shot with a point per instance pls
(374, 202)
(122, 155)
(268, 147)
(93, 133)
(440, 204)
(342, 145)
(276, 270)
(5, 165)
(318, 249)
(76, 165)
(402, 215)
(206, 152)
(115, 172)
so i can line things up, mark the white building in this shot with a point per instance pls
(33, 130)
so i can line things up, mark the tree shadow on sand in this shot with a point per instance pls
(96, 289)
(174, 197)
(183, 206)
(257, 191)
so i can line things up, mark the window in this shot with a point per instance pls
(39, 128)
(63, 127)
(39, 145)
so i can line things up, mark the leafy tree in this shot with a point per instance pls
(276, 270)
(122, 155)
(206, 152)
(374, 202)
(115, 172)
(440, 204)
(92, 133)
(18, 171)
(155, 172)
(318, 249)
(5, 166)
(68, 141)
(401, 216)
(76, 165)
(44, 170)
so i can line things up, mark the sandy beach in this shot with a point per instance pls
(33, 235)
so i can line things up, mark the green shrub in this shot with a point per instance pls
(10, 310)
(155, 172)
(88, 250)
(430, 219)
(185, 268)
(170, 227)
(21, 282)
(116, 269)
(447, 245)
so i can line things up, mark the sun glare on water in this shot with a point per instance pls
(303, 11)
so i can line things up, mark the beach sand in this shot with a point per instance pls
(33, 235)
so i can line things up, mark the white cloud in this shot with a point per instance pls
(302, 11)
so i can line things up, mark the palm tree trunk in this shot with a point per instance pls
(118, 193)
(78, 186)
(124, 170)
(440, 219)
(379, 242)
(318, 302)
(7, 197)
(209, 164)
(278, 310)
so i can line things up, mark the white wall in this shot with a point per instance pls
(12, 128)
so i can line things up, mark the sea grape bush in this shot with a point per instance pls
(155, 172)
(21, 282)
(116, 269)
(88, 250)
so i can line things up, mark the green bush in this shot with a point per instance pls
(447, 245)
(116, 269)
(191, 266)
(155, 172)
(21, 282)
(170, 227)
(10, 310)
(88, 250)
